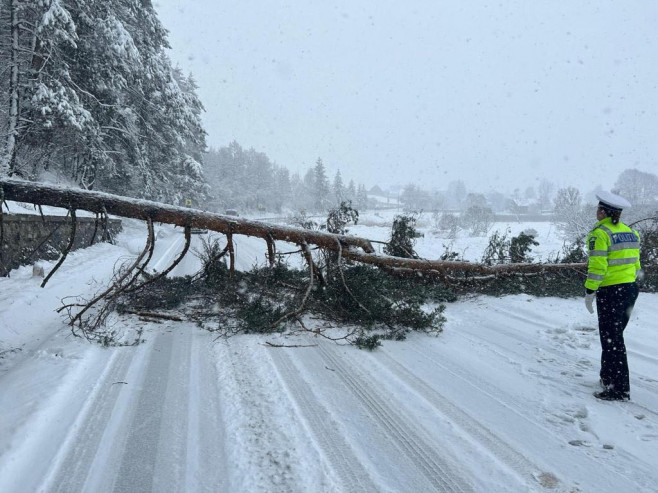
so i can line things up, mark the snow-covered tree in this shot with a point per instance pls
(361, 198)
(320, 186)
(350, 192)
(338, 188)
(94, 97)
(545, 191)
(414, 198)
(283, 189)
(41, 95)
(639, 187)
(571, 217)
(478, 219)
(457, 193)
(249, 180)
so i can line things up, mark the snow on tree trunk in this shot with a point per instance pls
(24, 191)
(9, 157)
(37, 193)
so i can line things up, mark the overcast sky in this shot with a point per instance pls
(499, 94)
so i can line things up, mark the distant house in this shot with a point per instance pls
(521, 206)
(377, 191)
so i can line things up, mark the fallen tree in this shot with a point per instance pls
(346, 293)
(350, 247)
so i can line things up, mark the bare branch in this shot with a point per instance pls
(342, 277)
(66, 251)
(93, 236)
(296, 313)
(271, 344)
(151, 243)
(188, 240)
(654, 218)
(163, 316)
(119, 282)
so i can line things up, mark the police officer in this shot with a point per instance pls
(612, 269)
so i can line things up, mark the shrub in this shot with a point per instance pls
(370, 342)
(520, 247)
(497, 250)
(403, 237)
(478, 219)
(340, 217)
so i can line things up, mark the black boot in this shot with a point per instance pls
(612, 395)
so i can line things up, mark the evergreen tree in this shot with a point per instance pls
(307, 196)
(338, 188)
(283, 189)
(299, 192)
(403, 237)
(320, 186)
(350, 193)
(93, 96)
(249, 180)
(545, 191)
(42, 98)
(361, 198)
(245, 179)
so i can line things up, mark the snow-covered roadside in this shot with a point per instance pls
(500, 401)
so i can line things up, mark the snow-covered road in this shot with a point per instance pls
(501, 401)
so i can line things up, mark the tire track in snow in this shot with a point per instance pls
(263, 456)
(206, 466)
(504, 452)
(436, 469)
(87, 457)
(105, 449)
(138, 461)
(70, 470)
(339, 454)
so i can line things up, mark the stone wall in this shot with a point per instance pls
(26, 238)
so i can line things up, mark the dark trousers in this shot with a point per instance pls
(614, 305)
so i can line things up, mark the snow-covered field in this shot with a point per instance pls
(500, 401)
(433, 243)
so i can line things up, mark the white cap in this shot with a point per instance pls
(612, 201)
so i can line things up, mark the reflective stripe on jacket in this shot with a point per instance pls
(614, 254)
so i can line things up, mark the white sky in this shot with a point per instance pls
(497, 94)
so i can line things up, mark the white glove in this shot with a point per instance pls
(589, 302)
(640, 275)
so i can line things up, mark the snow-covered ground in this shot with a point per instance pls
(433, 242)
(500, 401)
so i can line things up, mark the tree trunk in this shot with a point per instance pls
(36, 193)
(442, 267)
(9, 157)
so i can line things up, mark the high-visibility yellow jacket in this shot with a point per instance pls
(614, 254)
